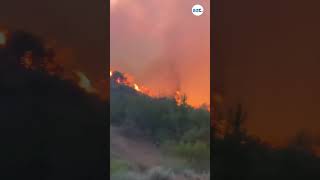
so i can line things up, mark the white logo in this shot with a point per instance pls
(197, 10)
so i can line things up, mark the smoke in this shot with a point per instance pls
(163, 45)
(77, 28)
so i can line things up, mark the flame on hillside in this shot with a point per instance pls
(129, 81)
(46, 61)
(179, 97)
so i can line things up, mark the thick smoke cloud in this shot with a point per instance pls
(163, 45)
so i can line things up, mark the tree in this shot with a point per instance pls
(234, 125)
(302, 141)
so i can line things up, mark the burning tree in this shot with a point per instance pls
(30, 52)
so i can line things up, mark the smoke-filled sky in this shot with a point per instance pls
(77, 29)
(268, 58)
(163, 45)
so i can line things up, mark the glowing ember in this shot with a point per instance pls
(136, 87)
(85, 83)
(27, 60)
(178, 97)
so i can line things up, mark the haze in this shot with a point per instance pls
(163, 45)
(268, 60)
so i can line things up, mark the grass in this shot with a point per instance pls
(119, 166)
(159, 173)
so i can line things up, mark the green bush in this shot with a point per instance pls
(118, 166)
(196, 154)
(160, 119)
(159, 173)
(177, 127)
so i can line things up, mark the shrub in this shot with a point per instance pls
(160, 173)
(196, 154)
(118, 166)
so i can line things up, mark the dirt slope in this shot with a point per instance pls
(136, 151)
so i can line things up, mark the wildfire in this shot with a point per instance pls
(136, 87)
(129, 81)
(178, 97)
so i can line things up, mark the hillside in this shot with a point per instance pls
(50, 128)
(137, 151)
(156, 136)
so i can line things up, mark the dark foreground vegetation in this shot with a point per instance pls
(49, 128)
(237, 155)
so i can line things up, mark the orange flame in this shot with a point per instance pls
(129, 81)
(136, 87)
(179, 97)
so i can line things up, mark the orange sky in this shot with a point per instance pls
(163, 45)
